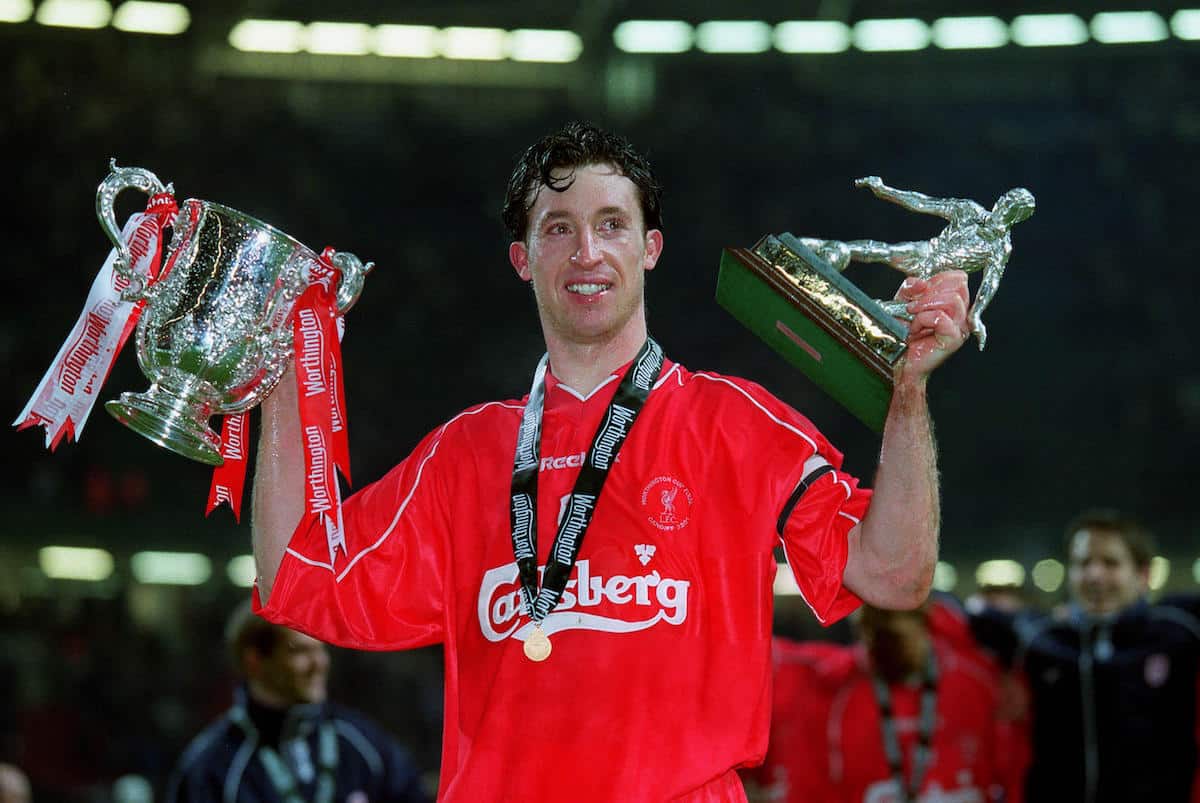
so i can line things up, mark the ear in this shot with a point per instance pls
(654, 247)
(518, 256)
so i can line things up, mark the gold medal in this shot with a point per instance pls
(537, 646)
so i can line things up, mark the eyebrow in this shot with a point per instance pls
(559, 214)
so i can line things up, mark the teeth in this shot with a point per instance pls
(587, 289)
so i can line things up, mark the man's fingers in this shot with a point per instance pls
(936, 323)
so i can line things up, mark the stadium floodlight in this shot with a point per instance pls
(75, 563)
(733, 36)
(338, 38)
(945, 576)
(477, 44)
(171, 568)
(1185, 23)
(268, 36)
(969, 33)
(1160, 571)
(1048, 30)
(1122, 27)
(812, 36)
(891, 35)
(1048, 575)
(785, 582)
(654, 36)
(15, 10)
(407, 41)
(241, 571)
(1000, 573)
(74, 13)
(166, 19)
(530, 44)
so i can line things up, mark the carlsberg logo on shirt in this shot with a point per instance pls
(643, 600)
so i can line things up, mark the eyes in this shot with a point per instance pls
(607, 225)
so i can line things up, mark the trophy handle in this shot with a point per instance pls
(118, 179)
(354, 272)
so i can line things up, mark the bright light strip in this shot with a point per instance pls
(785, 582)
(171, 568)
(1185, 23)
(966, 33)
(1160, 570)
(945, 576)
(477, 44)
(528, 44)
(136, 16)
(268, 36)
(339, 38)
(74, 13)
(1122, 27)
(241, 571)
(1196, 571)
(653, 36)
(1048, 575)
(879, 36)
(1000, 573)
(812, 36)
(1048, 30)
(733, 36)
(15, 10)
(407, 41)
(75, 563)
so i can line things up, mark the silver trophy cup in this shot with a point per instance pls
(215, 335)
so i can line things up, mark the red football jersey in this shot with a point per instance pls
(659, 682)
(826, 740)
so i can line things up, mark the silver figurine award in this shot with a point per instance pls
(790, 291)
(214, 336)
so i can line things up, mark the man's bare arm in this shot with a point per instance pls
(278, 500)
(911, 200)
(894, 550)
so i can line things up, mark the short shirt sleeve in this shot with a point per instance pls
(385, 590)
(816, 537)
(776, 448)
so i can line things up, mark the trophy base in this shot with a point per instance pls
(172, 422)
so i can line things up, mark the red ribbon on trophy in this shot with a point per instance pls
(64, 398)
(317, 330)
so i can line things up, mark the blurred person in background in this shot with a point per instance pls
(282, 741)
(909, 713)
(1112, 677)
(14, 785)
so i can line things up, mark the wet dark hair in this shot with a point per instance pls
(1136, 537)
(246, 630)
(573, 146)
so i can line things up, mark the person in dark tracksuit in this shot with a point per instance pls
(282, 742)
(1113, 678)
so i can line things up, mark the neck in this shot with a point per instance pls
(266, 698)
(583, 366)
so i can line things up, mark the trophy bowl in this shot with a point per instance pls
(215, 334)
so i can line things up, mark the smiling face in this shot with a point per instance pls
(1103, 576)
(586, 253)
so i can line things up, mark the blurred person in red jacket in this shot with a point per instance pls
(912, 712)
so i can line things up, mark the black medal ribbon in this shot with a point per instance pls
(891, 741)
(627, 402)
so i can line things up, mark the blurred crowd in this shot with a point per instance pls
(986, 699)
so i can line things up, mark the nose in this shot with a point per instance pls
(588, 253)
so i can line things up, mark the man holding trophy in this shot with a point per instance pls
(624, 656)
